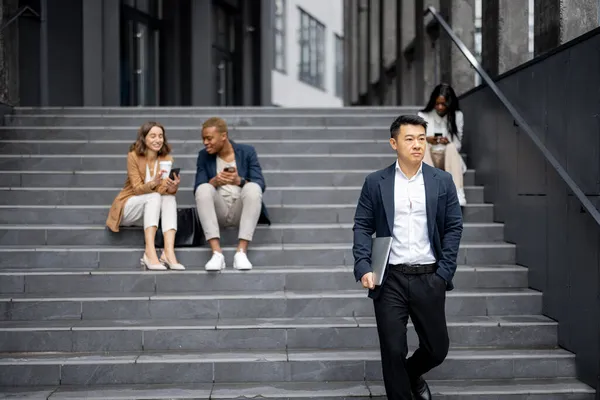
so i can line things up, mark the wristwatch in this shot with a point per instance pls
(242, 182)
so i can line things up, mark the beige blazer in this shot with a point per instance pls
(134, 186)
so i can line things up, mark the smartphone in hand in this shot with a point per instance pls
(174, 171)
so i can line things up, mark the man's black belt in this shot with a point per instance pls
(415, 269)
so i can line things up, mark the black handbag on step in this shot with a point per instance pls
(189, 231)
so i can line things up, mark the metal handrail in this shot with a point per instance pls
(587, 204)
(22, 11)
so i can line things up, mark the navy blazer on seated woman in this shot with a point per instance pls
(248, 168)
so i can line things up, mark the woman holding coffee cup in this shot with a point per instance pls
(149, 194)
(444, 134)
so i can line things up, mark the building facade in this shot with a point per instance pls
(308, 61)
(171, 53)
(396, 54)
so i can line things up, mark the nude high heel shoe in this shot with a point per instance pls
(170, 265)
(151, 267)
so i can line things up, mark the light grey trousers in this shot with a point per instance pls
(213, 211)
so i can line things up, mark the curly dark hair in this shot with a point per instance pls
(139, 146)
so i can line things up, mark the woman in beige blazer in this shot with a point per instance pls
(146, 196)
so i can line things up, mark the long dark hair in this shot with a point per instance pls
(452, 106)
(139, 146)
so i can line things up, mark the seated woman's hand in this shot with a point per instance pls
(173, 184)
(432, 140)
(157, 179)
(444, 140)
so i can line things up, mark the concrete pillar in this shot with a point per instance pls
(92, 53)
(505, 35)
(399, 57)
(350, 51)
(462, 21)
(408, 28)
(267, 13)
(111, 53)
(419, 63)
(201, 57)
(9, 55)
(559, 21)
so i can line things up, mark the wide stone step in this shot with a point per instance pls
(258, 279)
(72, 162)
(248, 304)
(288, 214)
(99, 235)
(78, 257)
(167, 120)
(217, 111)
(287, 195)
(268, 366)
(260, 334)
(192, 132)
(116, 147)
(500, 389)
(114, 178)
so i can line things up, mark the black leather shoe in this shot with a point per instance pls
(420, 389)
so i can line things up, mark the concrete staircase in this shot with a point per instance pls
(81, 320)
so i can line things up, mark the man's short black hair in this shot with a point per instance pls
(406, 120)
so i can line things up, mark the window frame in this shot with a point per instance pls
(312, 42)
(279, 53)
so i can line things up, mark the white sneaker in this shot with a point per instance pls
(462, 199)
(216, 262)
(241, 262)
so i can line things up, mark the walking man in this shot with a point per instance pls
(417, 205)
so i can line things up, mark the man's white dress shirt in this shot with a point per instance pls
(410, 238)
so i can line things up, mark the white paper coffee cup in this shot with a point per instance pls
(165, 166)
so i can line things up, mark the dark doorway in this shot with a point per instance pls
(140, 52)
(227, 53)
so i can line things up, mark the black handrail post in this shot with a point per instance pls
(43, 53)
(587, 204)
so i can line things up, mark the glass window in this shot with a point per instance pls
(312, 51)
(279, 37)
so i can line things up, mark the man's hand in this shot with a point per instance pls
(368, 280)
(226, 178)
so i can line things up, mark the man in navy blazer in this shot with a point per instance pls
(228, 190)
(417, 205)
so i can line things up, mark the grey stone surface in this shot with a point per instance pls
(77, 311)
(193, 120)
(193, 133)
(81, 235)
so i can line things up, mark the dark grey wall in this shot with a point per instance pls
(65, 47)
(29, 57)
(65, 52)
(558, 96)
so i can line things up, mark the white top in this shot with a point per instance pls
(437, 124)
(410, 238)
(230, 193)
(148, 176)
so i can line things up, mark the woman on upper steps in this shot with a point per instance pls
(445, 124)
(148, 196)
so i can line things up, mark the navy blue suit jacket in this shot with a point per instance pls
(375, 214)
(248, 168)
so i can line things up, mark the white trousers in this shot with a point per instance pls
(145, 210)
